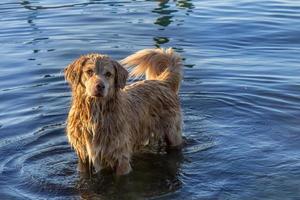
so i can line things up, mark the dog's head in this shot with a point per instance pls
(97, 75)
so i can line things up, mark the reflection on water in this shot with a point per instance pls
(160, 40)
(152, 175)
(185, 4)
(240, 97)
(166, 15)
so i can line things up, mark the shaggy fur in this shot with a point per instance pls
(107, 121)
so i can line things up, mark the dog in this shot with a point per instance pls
(109, 121)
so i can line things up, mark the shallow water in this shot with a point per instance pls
(240, 97)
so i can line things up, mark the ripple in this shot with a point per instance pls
(30, 6)
(49, 170)
(40, 163)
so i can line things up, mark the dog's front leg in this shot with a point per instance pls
(123, 166)
(85, 167)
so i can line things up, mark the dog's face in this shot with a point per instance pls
(98, 75)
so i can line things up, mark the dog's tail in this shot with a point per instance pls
(157, 64)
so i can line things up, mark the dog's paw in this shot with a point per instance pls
(123, 168)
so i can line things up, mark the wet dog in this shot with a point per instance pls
(109, 121)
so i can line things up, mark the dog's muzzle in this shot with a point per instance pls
(99, 89)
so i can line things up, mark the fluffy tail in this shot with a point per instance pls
(157, 64)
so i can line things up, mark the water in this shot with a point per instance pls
(240, 97)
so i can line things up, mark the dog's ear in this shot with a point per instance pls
(73, 71)
(121, 75)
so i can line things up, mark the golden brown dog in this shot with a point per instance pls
(108, 121)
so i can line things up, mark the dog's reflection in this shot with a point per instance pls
(153, 175)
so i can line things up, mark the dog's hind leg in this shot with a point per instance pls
(172, 129)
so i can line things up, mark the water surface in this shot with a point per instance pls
(240, 97)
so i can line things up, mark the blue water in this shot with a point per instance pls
(240, 97)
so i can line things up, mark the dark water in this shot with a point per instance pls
(240, 97)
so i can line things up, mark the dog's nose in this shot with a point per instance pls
(100, 86)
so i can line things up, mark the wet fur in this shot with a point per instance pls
(106, 131)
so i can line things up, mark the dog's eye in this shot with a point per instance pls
(107, 74)
(89, 72)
